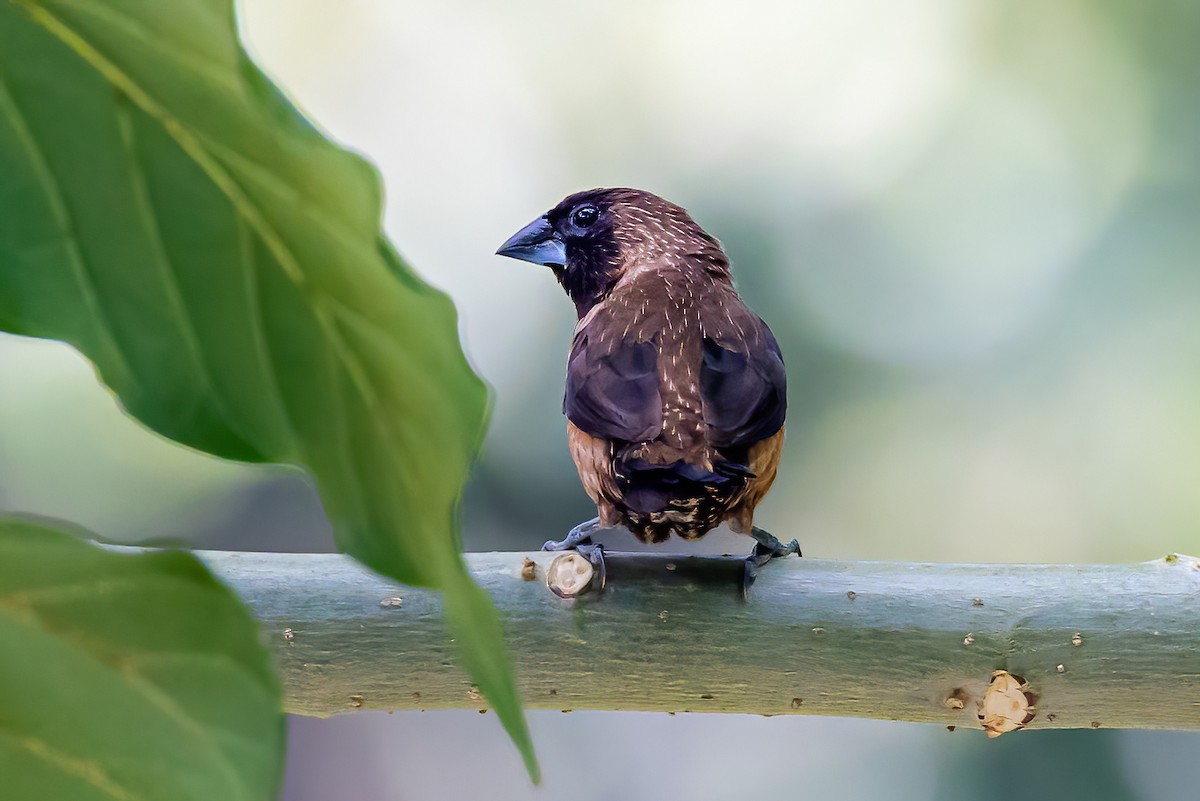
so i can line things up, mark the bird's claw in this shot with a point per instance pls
(579, 539)
(580, 535)
(766, 548)
(595, 555)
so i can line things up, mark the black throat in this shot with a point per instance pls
(590, 273)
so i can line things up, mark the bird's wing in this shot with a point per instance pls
(743, 384)
(612, 383)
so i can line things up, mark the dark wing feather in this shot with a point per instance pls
(742, 379)
(612, 387)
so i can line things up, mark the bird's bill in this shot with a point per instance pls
(537, 243)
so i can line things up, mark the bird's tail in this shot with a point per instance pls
(650, 488)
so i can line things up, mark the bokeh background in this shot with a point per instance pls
(974, 227)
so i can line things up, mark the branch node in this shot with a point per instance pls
(1008, 704)
(569, 575)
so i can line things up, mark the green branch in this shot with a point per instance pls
(1098, 645)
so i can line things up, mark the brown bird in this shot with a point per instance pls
(676, 392)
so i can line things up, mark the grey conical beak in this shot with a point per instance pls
(537, 243)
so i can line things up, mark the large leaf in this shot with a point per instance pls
(129, 677)
(166, 211)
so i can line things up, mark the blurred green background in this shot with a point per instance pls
(974, 227)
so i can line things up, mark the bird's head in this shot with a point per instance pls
(593, 239)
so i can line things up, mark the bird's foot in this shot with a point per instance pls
(569, 575)
(766, 548)
(769, 543)
(580, 535)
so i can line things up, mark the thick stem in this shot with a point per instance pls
(1099, 645)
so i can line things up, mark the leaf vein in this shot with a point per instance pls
(176, 51)
(84, 769)
(163, 263)
(140, 684)
(62, 215)
(260, 345)
(196, 149)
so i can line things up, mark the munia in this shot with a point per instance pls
(676, 392)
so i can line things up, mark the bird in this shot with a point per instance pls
(676, 393)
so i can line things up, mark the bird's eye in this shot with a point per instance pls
(584, 216)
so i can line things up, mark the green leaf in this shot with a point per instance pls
(129, 676)
(165, 210)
